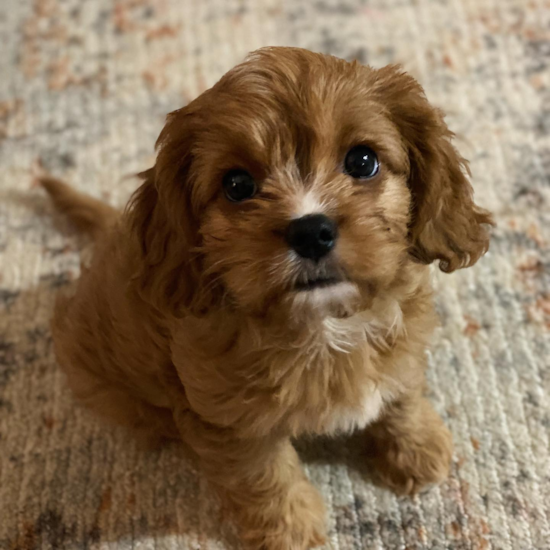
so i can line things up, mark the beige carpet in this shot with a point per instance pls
(84, 85)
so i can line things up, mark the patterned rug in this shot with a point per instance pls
(85, 86)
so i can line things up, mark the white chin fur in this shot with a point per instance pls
(338, 300)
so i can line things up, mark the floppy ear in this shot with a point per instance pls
(162, 220)
(446, 224)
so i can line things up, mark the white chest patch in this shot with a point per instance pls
(347, 419)
(343, 418)
(377, 326)
(353, 343)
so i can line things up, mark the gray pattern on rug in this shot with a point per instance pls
(85, 86)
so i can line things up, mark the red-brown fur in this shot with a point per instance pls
(186, 324)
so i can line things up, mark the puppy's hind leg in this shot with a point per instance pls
(116, 404)
(111, 394)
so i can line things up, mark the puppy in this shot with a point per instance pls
(270, 279)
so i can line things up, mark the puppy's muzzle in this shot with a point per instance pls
(312, 236)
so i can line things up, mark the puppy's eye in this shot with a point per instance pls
(361, 162)
(239, 185)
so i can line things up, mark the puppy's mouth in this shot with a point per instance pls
(318, 282)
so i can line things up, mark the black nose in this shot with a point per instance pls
(312, 236)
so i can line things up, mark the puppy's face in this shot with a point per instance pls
(307, 183)
(307, 203)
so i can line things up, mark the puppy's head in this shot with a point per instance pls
(302, 183)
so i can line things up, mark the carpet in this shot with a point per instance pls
(84, 86)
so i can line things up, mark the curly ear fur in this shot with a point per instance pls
(446, 224)
(162, 219)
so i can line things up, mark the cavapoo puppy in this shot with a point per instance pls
(270, 279)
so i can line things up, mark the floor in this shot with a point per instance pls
(84, 86)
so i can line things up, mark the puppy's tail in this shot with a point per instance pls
(89, 215)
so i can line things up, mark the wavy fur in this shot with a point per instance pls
(188, 324)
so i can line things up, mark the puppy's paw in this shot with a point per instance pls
(296, 523)
(408, 464)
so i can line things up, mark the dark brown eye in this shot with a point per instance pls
(239, 185)
(361, 162)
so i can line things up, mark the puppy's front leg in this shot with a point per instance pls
(262, 483)
(411, 447)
